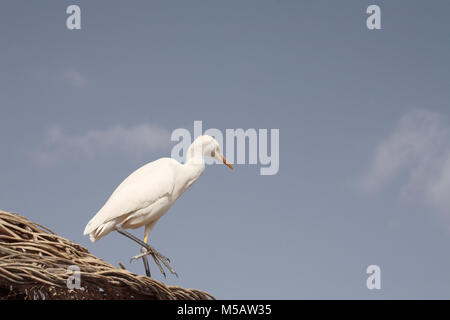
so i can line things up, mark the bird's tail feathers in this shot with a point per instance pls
(89, 227)
(98, 231)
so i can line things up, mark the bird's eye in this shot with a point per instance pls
(213, 153)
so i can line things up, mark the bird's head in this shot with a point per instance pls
(207, 146)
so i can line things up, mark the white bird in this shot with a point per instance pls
(146, 195)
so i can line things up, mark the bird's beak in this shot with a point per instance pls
(226, 162)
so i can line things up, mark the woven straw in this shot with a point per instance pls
(34, 264)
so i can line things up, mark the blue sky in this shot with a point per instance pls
(364, 136)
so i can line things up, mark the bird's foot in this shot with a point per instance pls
(157, 257)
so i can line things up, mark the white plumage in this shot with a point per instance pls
(146, 195)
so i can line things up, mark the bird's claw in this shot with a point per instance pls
(158, 258)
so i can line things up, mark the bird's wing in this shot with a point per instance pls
(139, 190)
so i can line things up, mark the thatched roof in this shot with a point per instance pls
(34, 264)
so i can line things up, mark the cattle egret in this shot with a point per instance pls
(146, 195)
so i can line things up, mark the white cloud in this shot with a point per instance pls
(419, 148)
(75, 78)
(134, 141)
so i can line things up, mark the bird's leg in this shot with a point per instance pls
(130, 236)
(150, 249)
(145, 254)
(145, 260)
(144, 250)
(157, 257)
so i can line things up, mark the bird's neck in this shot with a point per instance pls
(195, 161)
(193, 169)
